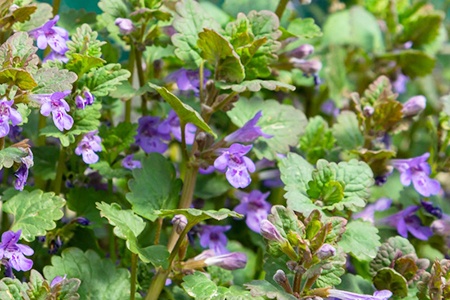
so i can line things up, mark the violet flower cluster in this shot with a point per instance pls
(53, 36)
(417, 171)
(87, 147)
(254, 206)
(12, 254)
(56, 105)
(8, 113)
(21, 173)
(82, 102)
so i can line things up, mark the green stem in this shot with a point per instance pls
(159, 224)
(183, 142)
(280, 8)
(41, 124)
(2, 143)
(5, 221)
(142, 80)
(56, 4)
(134, 261)
(59, 171)
(202, 76)
(128, 103)
(297, 282)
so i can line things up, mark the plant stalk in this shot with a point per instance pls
(141, 76)
(280, 8)
(134, 261)
(59, 171)
(128, 103)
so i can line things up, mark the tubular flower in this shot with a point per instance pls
(236, 165)
(249, 132)
(58, 107)
(7, 113)
(87, 147)
(254, 206)
(51, 35)
(13, 254)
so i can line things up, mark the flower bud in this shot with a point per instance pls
(229, 261)
(326, 251)
(179, 223)
(368, 110)
(441, 227)
(301, 51)
(125, 25)
(282, 280)
(13, 8)
(82, 221)
(270, 232)
(414, 106)
(309, 67)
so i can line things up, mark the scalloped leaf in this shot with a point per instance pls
(11, 155)
(346, 131)
(266, 289)
(104, 80)
(50, 80)
(154, 187)
(189, 21)
(18, 52)
(12, 289)
(34, 213)
(304, 28)
(285, 123)
(128, 226)
(361, 239)
(100, 278)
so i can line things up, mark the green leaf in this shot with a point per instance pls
(189, 21)
(210, 186)
(361, 239)
(346, 131)
(186, 113)
(195, 216)
(266, 289)
(296, 173)
(318, 139)
(414, 63)
(82, 201)
(104, 80)
(20, 47)
(220, 53)
(355, 284)
(34, 213)
(335, 73)
(330, 270)
(22, 79)
(117, 139)
(72, 19)
(108, 171)
(354, 26)
(81, 63)
(281, 121)
(154, 186)
(325, 184)
(42, 14)
(254, 37)
(11, 155)
(200, 287)
(19, 15)
(12, 289)
(389, 279)
(100, 279)
(128, 226)
(85, 42)
(304, 28)
(256, 85)
(50, 80)
(422, 28)
(45, 158)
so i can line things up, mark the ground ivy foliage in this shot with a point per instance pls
(329, 187)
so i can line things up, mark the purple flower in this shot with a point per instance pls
(229, 261)
(13, 253)
(152, 134)
(81, 102)
(58, 107)
(7, 113)
(431, 209)
(326, 251)
(57, 280)
(399, 85)
(188, 80)
(179, 222)
(270, 232)
(87, 147)
(173, 121)
(330, 109)
(249, 132)
(414, 106)
(130, 164)
(368, 213)
(83, 221)
(125, 25)
(236, 165)
(417, 170)
(405, 220)
(56, 56)
(344, 295)
(22, 172)
(51, 35)
(213, 237)
(254, 206)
